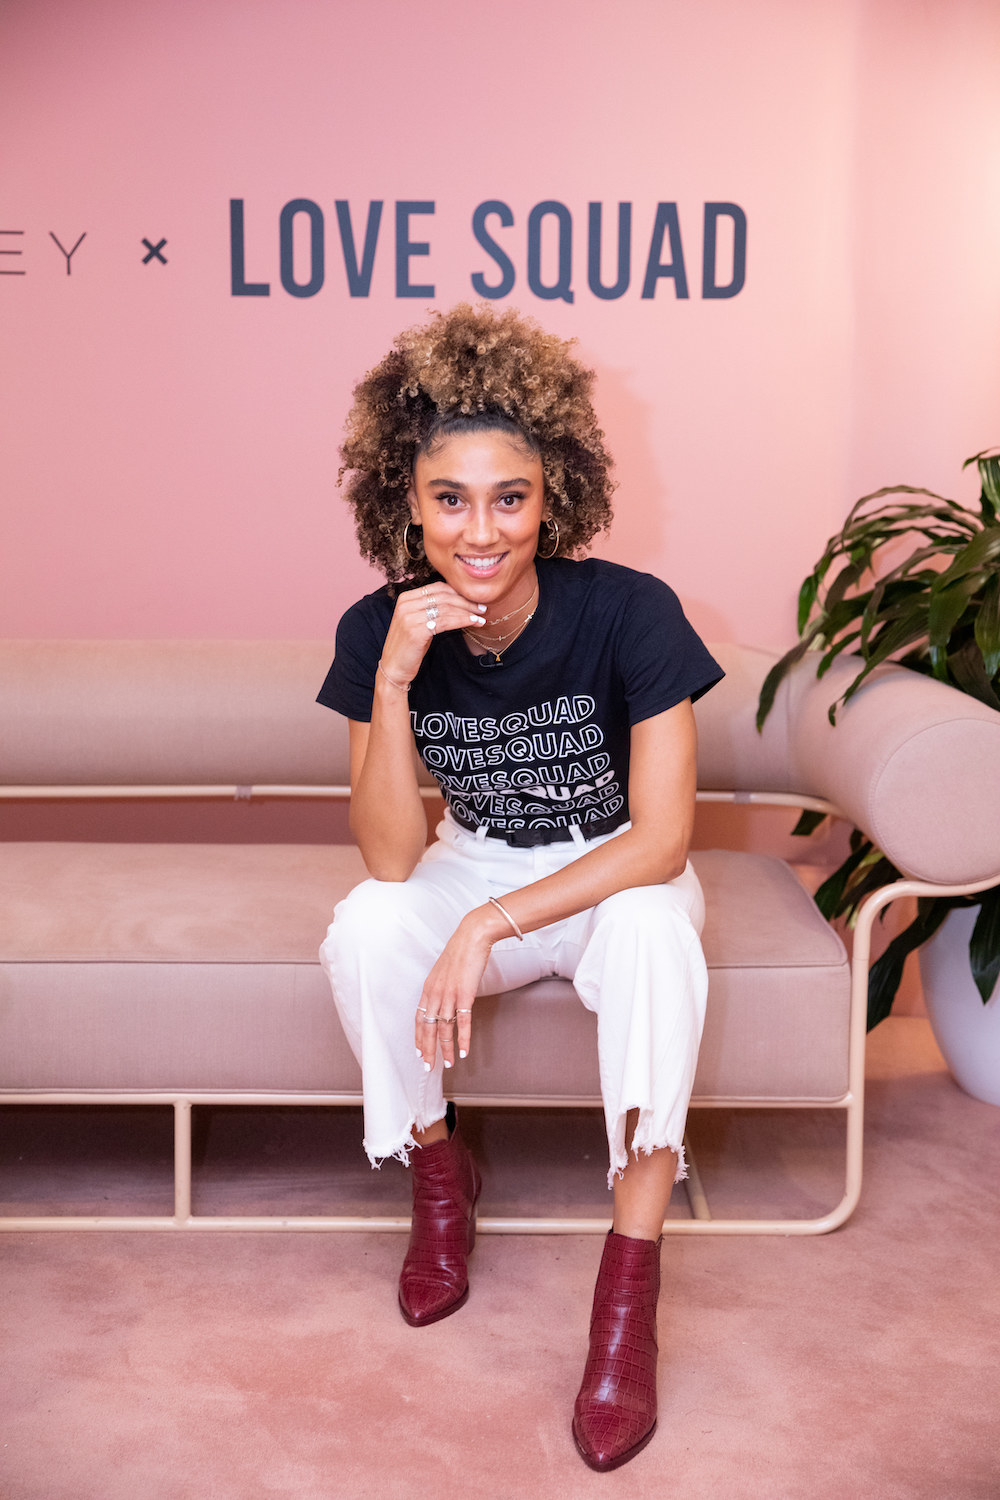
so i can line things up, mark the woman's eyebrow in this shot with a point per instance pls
(458, 484)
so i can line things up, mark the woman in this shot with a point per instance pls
(551, 699)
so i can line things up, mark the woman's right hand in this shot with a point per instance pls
(420, 614)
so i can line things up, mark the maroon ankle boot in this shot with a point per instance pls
(446, 1183)
(615, 1412)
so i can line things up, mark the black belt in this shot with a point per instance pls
(531, 838)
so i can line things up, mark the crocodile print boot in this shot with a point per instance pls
(446, 1184)
(615, 1412)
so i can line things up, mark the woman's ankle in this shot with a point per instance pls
(434, 1133)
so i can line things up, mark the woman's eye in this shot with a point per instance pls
(510, 502)
(450, 502)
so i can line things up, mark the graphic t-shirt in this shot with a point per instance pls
(540, 739)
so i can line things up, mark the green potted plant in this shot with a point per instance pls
(914, 578)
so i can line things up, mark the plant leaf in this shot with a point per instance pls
(773, 679)
(830, 894)
(947, 606)
(984, 946)
(809, 821)
(887, 971)
(870, 878)
(989, 475)
(966, 667)
(829, 657)
(987, 627)
(893, 638)
(807, 598)
(979, 553)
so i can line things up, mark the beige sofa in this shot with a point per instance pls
(187, 973)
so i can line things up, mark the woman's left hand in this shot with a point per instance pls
(444, 1014)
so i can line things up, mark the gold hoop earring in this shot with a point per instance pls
(553, 526)
(413, 556)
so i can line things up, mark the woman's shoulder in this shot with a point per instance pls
(371, 613)
(609, 581)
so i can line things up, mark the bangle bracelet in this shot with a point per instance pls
(510, 919)
(404, 687)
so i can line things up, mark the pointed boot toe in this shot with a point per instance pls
(615, 1412)
(605, 1438)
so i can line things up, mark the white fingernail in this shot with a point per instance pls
(481, 608)
(476, 619)
(427, 1067)
(447, 1063)
(462, 1054)
(420, 1054)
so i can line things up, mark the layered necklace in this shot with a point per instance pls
(496, 645)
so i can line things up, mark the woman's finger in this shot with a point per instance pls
(446, 1039)
(441, 609)
(426, 1031)
(451, 1033)
(463, 1019)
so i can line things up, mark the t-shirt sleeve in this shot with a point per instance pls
(661, 657)
(349, 685)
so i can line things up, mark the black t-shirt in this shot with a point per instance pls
(540, 740)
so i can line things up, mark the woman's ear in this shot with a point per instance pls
(414, 504)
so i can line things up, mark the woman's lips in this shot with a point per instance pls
(482, 567)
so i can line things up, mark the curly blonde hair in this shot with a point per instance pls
(473, 369)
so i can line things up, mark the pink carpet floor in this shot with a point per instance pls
(860, 1365)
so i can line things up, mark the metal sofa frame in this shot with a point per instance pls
(701, 1221)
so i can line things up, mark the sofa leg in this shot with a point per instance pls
(182, 1160)
(694, 1187)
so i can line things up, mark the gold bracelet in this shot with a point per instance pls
(404, 687)
(510, 919)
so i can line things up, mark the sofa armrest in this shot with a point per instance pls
(913, 762)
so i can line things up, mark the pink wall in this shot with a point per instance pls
(168, 451)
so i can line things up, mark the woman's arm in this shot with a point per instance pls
(662, 755)
(387, 814)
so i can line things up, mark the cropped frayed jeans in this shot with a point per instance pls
(635, 959)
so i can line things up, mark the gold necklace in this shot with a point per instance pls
(530, 603)
(530, 600)
(510, 639)
(492, 641)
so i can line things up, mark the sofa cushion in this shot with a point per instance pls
(135, 967)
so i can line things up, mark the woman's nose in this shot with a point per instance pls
(481, 527)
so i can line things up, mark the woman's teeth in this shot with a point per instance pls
(480, 563)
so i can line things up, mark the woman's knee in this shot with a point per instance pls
(640, 911)
(379, 919)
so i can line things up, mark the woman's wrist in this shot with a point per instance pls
(489, 924)
(401, 687)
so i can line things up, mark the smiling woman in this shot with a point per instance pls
(551, 699)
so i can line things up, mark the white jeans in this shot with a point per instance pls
(635, 959)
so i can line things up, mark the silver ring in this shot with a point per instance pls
(430, 1020)
(463, 1012)
(431, 612)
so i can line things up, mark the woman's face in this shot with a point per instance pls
(480, 498)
